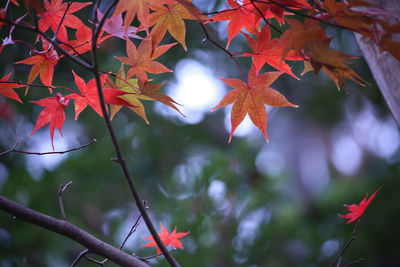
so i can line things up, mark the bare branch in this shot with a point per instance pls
(80, 256)
(60, 199)
(71, 231)
(46, 153)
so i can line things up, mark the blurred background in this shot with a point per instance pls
(247, 203)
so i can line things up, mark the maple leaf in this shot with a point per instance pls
(43, 64)
(114, 27)
(88, 96)
(170, 18)
(276, 9)
(356, 21)
(151, 90)
(139, 8)
(299, 35)
(54, 13)
(6, 89)
(239, 16)
(141, 60)
(250, 98)
(267, 51)
(134, 96)
(356, 211)
(53, 113)
(333, 63)
(167, 239)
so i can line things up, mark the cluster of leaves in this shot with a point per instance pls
(303, 41)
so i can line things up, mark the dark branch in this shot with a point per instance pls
(60, 199)
(71, 231)
(46, 153)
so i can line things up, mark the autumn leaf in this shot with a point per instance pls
(43, 64)
(53, 113)
(270, 9)
(167, 239)
(170, 18)
(268, 51)
(83, 42)
(239, 16)
(6, 89)
(356, 211)
(88, 96)
(333, 63)
(250, 98)
(134, 96)
(54, 13)
(151, 90)
(114, 27)
(141, 60)
(139, 8)
(299, 35)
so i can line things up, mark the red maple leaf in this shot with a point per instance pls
(239, 16)
(251, 98)
(268, 51)
(167, 238)
(356, 211)
(43, 64)
(53, 14)
(53, 114)
(88, 96)
(6, 89)
(83, 42)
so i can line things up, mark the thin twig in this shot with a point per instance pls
(44, 86)
(353, 236)
(223, 49)
(80, 256)
(46, 153)
(11, 149)
(60, 199)
(354, 262)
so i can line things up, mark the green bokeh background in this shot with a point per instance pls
(238, 211)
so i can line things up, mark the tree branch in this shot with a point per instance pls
(71, 231)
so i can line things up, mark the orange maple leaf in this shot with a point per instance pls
(141, 60)
(43, 64)
(170, 18)
(139, 8)
(53, 113)
(167, 239)
(299, 35)
(151, 90)
(250, 98)
(6, 89)
(54, 13)
(356, 211)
